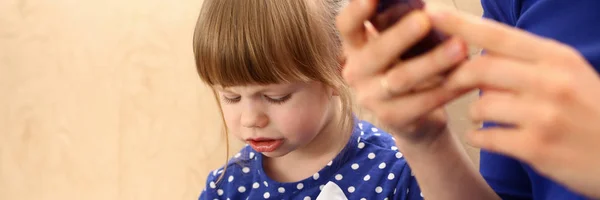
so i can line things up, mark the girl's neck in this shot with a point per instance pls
(308, 160)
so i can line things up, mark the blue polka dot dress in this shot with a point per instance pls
(369, 167)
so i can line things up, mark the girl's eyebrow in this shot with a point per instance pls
(260, 90)
(223, 90)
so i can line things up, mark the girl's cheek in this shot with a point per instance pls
(232, 120)
(302, 122)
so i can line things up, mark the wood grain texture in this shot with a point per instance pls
(100, 100)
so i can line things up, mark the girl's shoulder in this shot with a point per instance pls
(375, 148)
(373, 168)
(377, 138)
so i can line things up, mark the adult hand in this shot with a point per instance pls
(390, 88)
(546, 91)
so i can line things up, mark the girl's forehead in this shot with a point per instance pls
(254, 88)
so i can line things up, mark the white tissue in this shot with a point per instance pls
(332, 191)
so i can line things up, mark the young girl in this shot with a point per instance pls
(274, 66)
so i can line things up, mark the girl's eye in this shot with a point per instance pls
(278, 100)
(231, 99)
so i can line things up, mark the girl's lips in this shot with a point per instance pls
(265, 145)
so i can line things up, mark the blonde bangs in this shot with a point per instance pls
(242, 42)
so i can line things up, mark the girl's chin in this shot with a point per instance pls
(276, 154)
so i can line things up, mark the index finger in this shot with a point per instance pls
(350, 22)
(493, 36)
(508, 141)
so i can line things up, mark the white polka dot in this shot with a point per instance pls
(377, 134)
(255, 185)
(371, 156)
(407, 190)
(385, 198)
(363, 199)
(374, 129)
(360, 125)
(300, 186)
(230, 179)
(220, 192)
(361, 145)
(212, 185)
(238, 155)
(398, 155)
(393, 138)
(242, 189)
(382, 165)
(394, 191)
(355, 166)
(391, 176)
(215, 173)
(266, 184)
(266, 195)
(394, 148)
(321, 187)
(246, 170)
(329, 163)
(422, 194)
(281, 190)
(339, 177)
(362, 133)
(367, 177)
(351, 189)
(251, 155)
(220, 171)
(378, 189)
(316, 176)
(307, 198)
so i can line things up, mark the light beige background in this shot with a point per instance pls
(99, 100)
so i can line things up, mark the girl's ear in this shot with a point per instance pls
(335, 92)
(341, 59)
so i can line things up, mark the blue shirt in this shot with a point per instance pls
(574, 22)
(369, 167)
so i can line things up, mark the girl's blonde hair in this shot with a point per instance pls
(247, 42)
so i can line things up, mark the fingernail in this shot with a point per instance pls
(437, 14)
(454, 50)
(470, 138)
(416, 22)
(364, 3)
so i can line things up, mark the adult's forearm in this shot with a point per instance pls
(444, 170)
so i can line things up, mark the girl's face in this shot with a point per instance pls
(279, 118)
